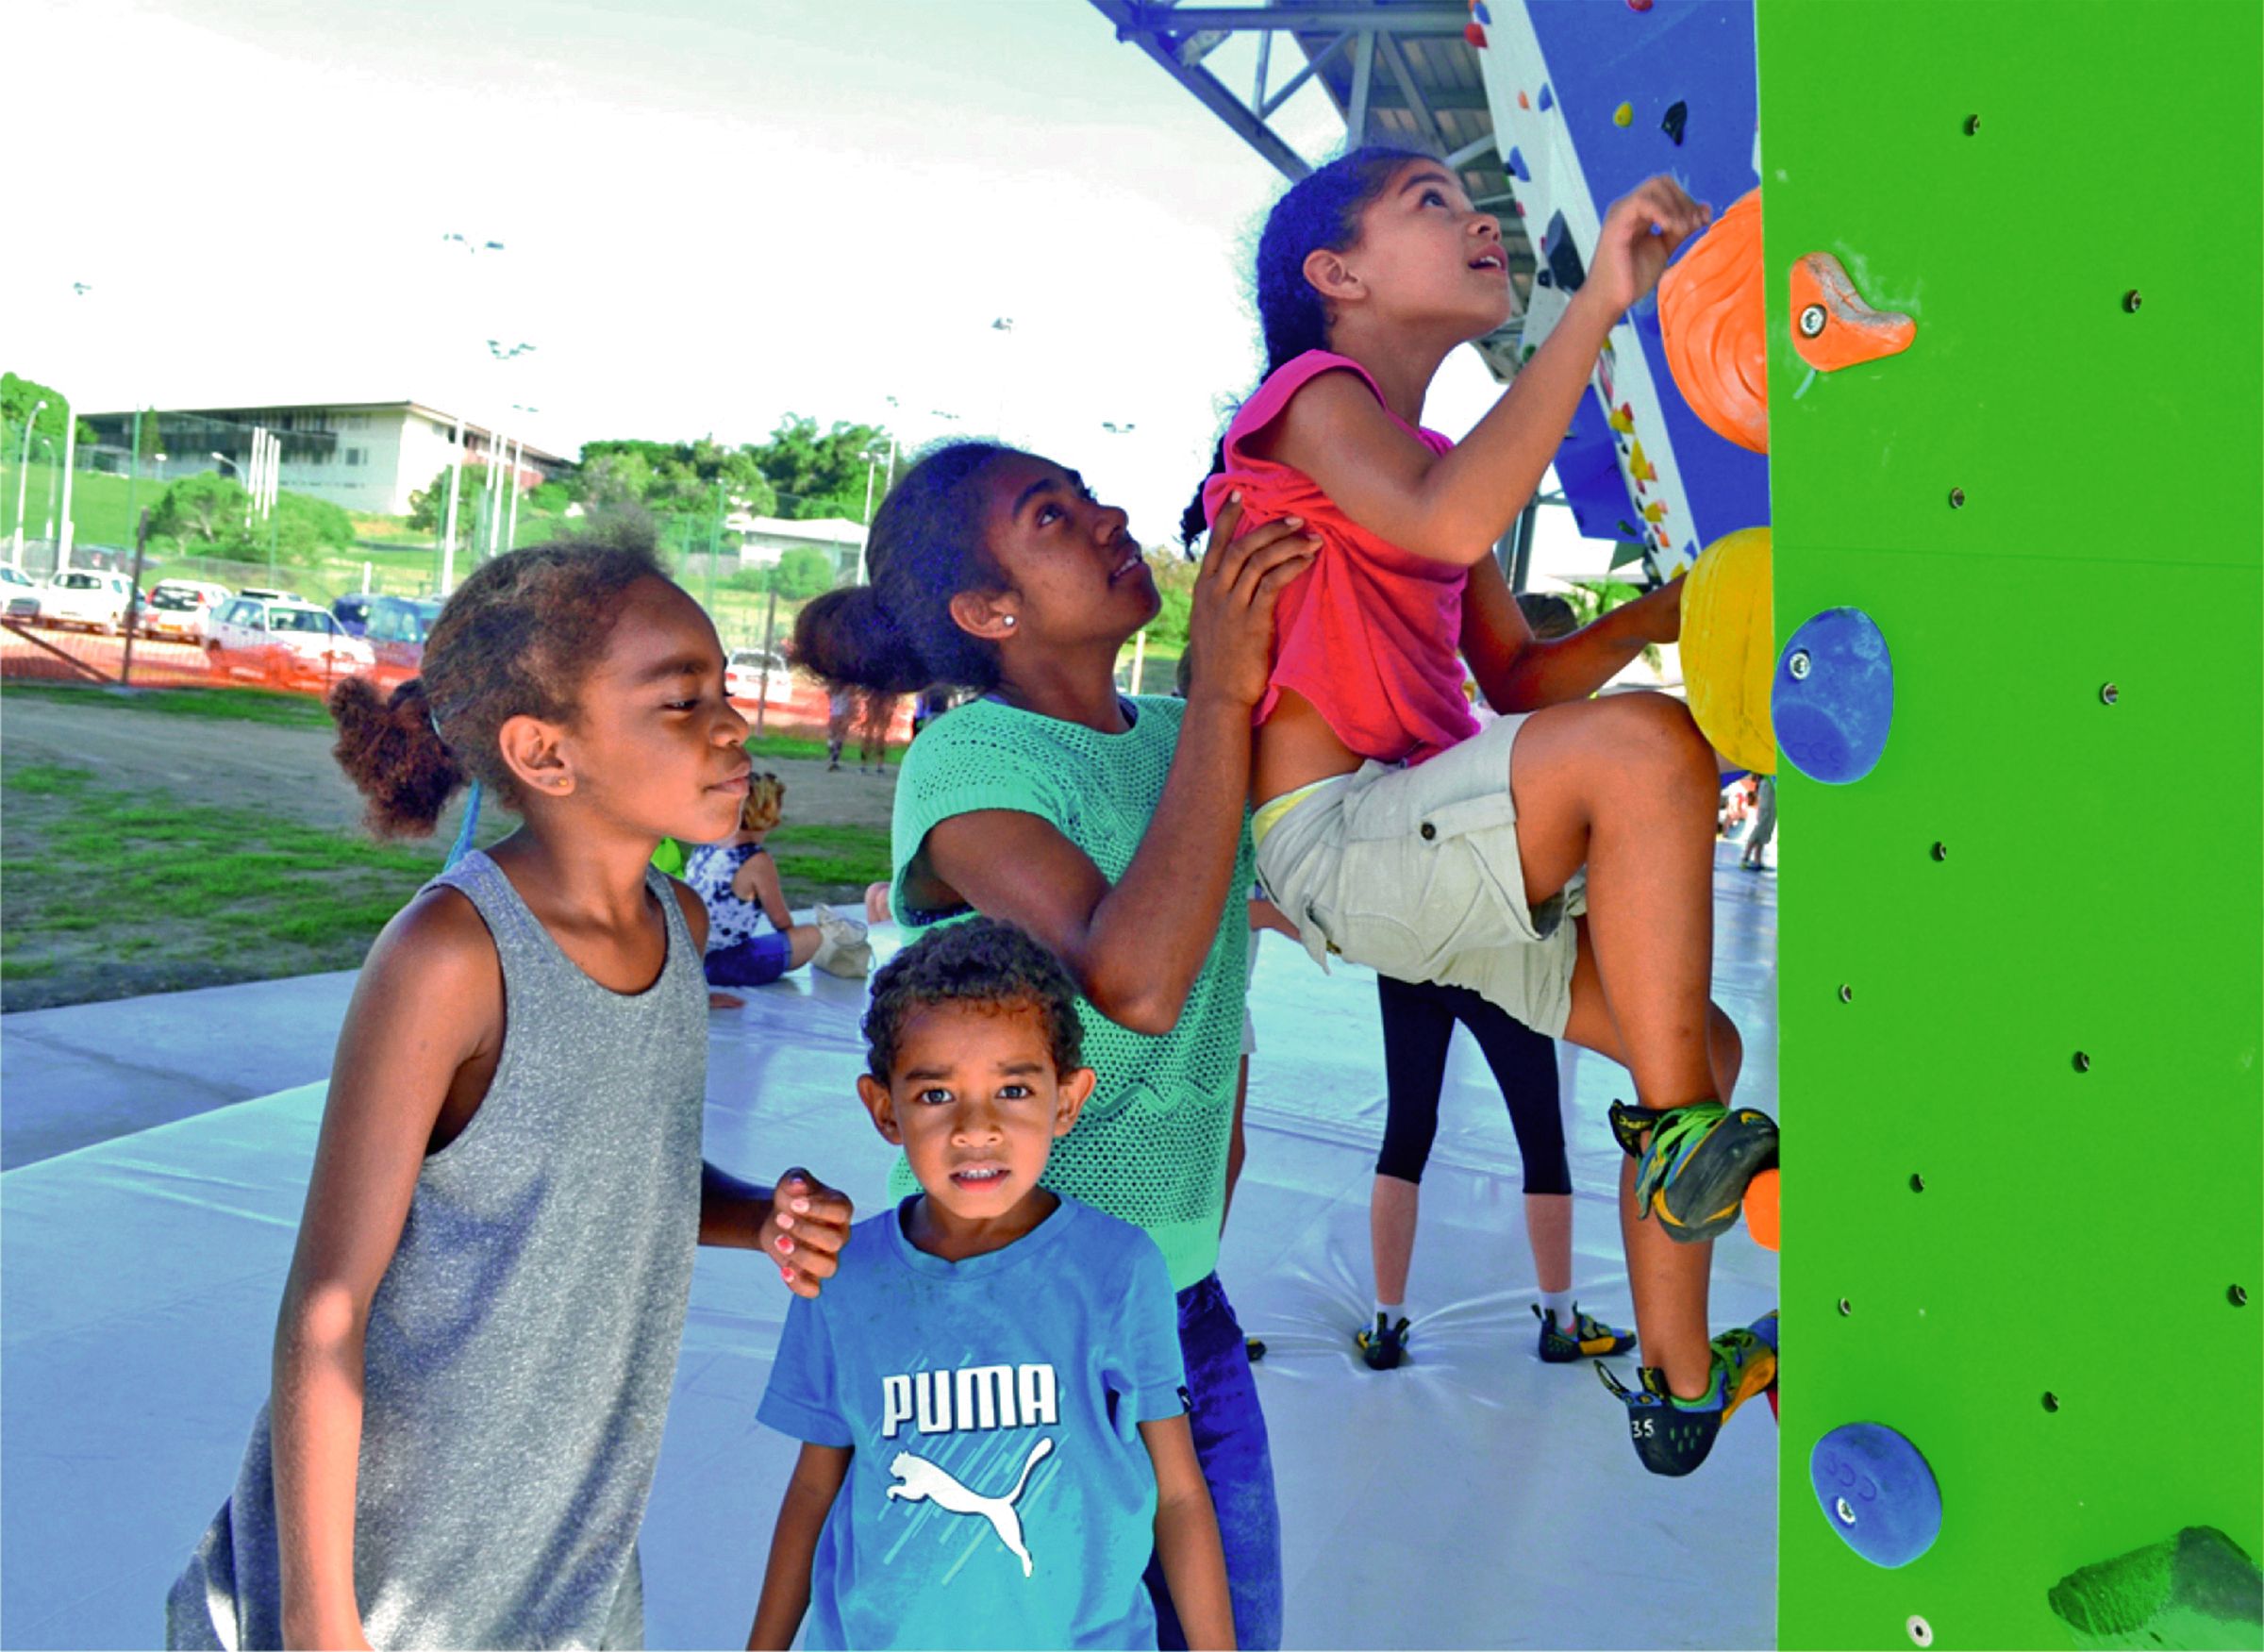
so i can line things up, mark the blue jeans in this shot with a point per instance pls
(1230, 1442)
(750, 962)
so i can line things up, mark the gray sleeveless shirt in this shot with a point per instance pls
(522, 1344)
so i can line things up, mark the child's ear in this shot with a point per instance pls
(1075, 1088)
(986, 614)
(1327, 273)
(534, 751)
(882, 1106)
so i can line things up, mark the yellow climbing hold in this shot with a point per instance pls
(1729, 648)
(1624, 115)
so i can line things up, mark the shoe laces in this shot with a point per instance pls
(1673, 1140)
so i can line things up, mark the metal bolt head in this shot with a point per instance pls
(1918, 1183)
(2237, 1296)
(1972, 125)
(1847, 993)
(1847, 1307)
(2109, 693)
(1956, 499)
(2131, 301)
(2083, 1063)
(1811, 321)
(1921, 1631)
(1846, 1514)
(1798, 665)
(1940, 851)
(2051, 1401)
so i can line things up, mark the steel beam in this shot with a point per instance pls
(1145, 16)
(1208, 89)
(1395, 60)
(1290, 88)
(1363, 78)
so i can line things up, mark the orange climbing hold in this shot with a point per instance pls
(1760, 1210)
(1832, 326)
(1712, 316)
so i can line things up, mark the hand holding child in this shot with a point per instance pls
(1230, 626)
(804, 1234)
(1641, 231)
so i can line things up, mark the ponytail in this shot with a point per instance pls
(926, 546)
(396, 757)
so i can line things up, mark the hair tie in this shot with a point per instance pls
(462, 845)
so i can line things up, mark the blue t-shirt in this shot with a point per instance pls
(999, 1494)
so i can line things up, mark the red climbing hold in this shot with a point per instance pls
(1474, 35)
(1638, 5)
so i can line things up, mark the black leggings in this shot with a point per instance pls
(1419, 1023)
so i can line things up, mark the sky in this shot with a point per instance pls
(713, 213)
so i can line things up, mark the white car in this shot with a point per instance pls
(744, 675)
(287, 642)
(181, 608)
(19, 593)
(85, 596)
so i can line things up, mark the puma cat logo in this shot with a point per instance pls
(923, 1481)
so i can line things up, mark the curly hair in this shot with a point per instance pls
(764, 804)
(979, 961)
(896, 634)
(517, 639)
(1321, 210)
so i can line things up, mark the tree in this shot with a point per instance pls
(429, 505)
(800, 574)
(822, 474)
(212, 512)
(207, 509)
(1175, 584)
(18, 395)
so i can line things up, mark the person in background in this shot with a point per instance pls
(751, 936)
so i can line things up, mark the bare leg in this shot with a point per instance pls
(1391, 1210)
(1625, 786)
(802, 944)
(1549, 1232)
(1667, 1278)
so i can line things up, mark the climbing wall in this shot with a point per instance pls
(1588, 101)
(2022, 960)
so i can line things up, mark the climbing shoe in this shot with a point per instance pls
(1382, 1346)
(1673, 1436)
(1586, 1336)
(1692, 1174)
(1256, 1349)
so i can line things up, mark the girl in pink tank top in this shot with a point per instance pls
(1391, 828)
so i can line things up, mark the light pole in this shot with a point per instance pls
(31, 423)
(48, 533)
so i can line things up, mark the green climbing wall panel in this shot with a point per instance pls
(2099, 887)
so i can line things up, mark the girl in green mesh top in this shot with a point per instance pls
(1112, 829)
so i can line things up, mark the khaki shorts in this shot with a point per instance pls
(1414, 871)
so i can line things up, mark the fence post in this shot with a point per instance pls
(133, 622)
(770, 630)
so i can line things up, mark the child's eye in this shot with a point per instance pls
(1433, 198)
(936, 1098)
(1015, 1093)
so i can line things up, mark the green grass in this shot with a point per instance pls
(789, 745)
(236, 705)
(836, 855)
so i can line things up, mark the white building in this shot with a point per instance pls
(366, 455)
(763, 540)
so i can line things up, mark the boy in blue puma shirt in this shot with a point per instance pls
(989, 1393)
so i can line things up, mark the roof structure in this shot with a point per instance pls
(1394, 69)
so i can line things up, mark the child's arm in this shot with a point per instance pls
(1136, 946)
(1264, 914)
(817, 1480)
(426, 1020)
(1453, 506)
(1518, 672)
(1187, 1536)
(760, 875)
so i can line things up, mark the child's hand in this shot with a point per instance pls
(1641, 232)
(807, 1226)
(876, 903)
(1230, 627)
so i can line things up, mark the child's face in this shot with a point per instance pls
(654, 744)
(1427, 255)
(1077, 575)
(976, 1103)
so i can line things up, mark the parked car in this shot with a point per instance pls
(744, 677)
(353, 612)
(19, 593)
(86, 596)
(397, 628)
(287, 642)
(269, 593)
(181, 608)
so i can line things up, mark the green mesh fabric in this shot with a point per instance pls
(1151, 1145)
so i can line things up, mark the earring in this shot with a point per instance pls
(1010, 620)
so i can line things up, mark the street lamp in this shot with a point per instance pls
(23, 475)
(224, 458)
(48, 532)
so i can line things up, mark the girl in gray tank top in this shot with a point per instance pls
(479, 1334)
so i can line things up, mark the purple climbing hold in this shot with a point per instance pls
(1518, 168)
(1548, 98)
(1678, 116)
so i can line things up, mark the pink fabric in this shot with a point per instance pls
(1369, 634)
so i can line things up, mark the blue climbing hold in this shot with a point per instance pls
(1832, 700)
(1878, 1492)
(1518, 168)
(1548, 98)
(1480, 12)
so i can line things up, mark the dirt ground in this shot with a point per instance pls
(280, 772)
